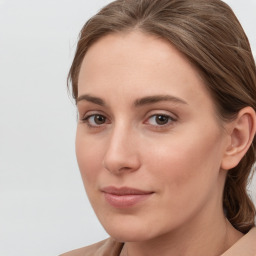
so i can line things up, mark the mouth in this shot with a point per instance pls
(125, 197)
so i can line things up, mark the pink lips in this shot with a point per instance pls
(125, 196)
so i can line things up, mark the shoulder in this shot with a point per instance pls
(103, 248)
(246, 246)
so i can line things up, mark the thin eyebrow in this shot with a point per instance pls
(92, 99)
(157, 98)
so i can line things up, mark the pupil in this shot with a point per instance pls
(162, 120)
(99, 119)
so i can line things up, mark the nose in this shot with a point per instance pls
(121, 153)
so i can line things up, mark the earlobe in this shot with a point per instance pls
(241, 132)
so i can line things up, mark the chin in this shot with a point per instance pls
(129, 234)
(129, 229)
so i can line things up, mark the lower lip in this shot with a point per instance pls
(124, 201)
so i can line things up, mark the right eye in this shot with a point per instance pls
(95, 120)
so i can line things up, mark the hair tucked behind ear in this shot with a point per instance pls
(209, 34)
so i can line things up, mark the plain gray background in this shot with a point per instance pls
(43, 207)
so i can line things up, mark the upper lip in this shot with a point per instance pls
(124, 191)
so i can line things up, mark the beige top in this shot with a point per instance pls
(246, 246)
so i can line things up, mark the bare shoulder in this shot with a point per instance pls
(103, 248)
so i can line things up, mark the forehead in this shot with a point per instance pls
(136, 63)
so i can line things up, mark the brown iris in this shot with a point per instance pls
(98, 119)
(161, 119)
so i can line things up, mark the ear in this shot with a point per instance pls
(241, 131)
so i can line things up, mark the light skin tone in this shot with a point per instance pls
(146, 121)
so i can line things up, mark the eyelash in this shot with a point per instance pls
(87, 118)
(170, 121)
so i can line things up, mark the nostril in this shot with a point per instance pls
(118, 166)
(121, 155)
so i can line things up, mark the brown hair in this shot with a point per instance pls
(208, 33)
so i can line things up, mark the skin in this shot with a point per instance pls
(181, 161)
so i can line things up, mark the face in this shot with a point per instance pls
(149, 144)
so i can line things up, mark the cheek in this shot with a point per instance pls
(89, 158)
(185, 162)
(185, 172)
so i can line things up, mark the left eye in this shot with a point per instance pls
(160, 120)
(95, 120)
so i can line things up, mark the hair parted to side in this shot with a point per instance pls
(208, 33)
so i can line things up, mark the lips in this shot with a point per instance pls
(125, 197)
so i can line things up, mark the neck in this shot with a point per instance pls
(203, 237)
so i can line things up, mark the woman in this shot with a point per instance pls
(165, 91)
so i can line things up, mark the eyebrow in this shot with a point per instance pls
(157, 98)
(137, 103)
(92, 99)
